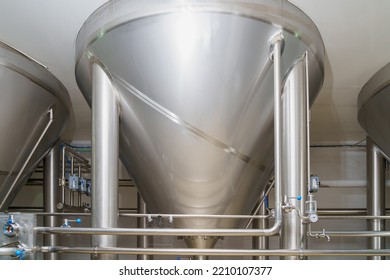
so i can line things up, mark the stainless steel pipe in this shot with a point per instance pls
(160, 232)
(142, 241)
(51, 195)
(7, 251)
(105, 156)
(295, 156)
(354, 233)
(215, 252)
(276, 56)
(375, 194)
(260, 242)
(192, 232)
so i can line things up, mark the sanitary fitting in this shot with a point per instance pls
(287, 206)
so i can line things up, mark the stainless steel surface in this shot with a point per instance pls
(373, 112)
(375, 194)
(195, 87)
(215, 252)
(25, 236)
(294, 154)
(51, 195)
(28, 92)
(162, 232)
(142, 241)
(8, 195)
(105, 155)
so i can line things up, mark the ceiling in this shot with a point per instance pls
(356, 34)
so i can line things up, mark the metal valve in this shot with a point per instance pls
(67, 222)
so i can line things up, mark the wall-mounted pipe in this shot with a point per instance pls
(82, 161)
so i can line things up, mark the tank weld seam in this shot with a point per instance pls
(173, 117)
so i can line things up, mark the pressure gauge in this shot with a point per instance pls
(313, 218)
(11, 229)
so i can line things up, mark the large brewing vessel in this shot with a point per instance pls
(194, 86)
(34, 111)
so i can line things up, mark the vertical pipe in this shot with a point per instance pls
(142, 241)
(260, 242)
(51, 196)
(79, 193)
(375, 195)
(277, 53)
(105, 156)
(63, 175)
(294, 179)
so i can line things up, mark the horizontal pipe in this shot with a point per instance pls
(69, 208)
(161, 232)
(355, 217)
(341, 212)
(347, 183)
(181, 216)
(7, 251)
(136, 215)
(354, 233)
(334, 215)
(212, 252)
(39, 211)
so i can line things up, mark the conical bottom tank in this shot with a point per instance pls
(195, 89)
(34, 111)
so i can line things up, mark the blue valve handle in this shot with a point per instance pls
(66, 222)
(20, 254)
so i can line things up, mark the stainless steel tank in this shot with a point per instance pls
(34, 111)
(373, 109)
(195, 87)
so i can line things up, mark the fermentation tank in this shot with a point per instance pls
(34, 111)
(194, 86)
(373, 111)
